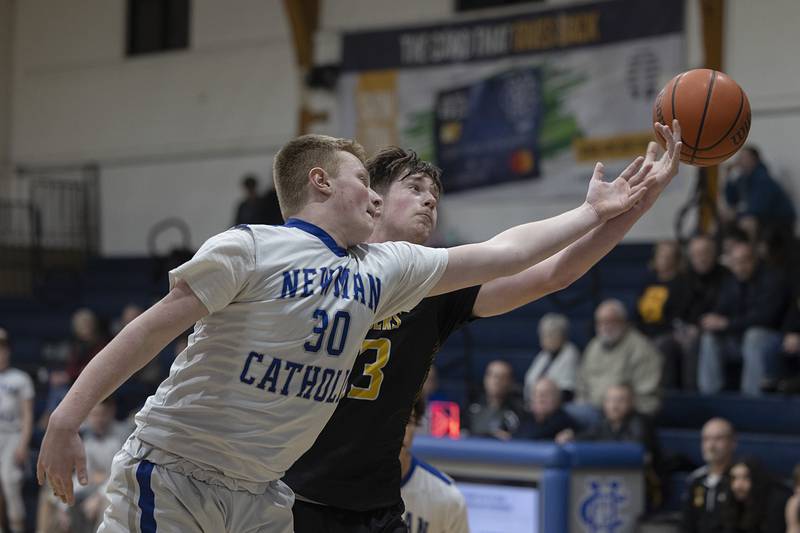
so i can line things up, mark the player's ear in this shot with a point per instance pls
(320, 180)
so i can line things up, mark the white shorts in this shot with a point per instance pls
(146, 497)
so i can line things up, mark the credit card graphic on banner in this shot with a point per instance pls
(488, 133)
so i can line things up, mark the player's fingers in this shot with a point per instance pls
(676, 130)
(642, 173)
(80, 467)
(676, 157)
(631, 170)
(638, 194)
(650, 153)
(598, 172)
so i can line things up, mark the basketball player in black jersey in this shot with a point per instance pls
(349, 481)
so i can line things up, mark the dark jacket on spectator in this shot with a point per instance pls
(759, 195)
(635, 428)
(763, 511)
(791, 323)
(693, 295)
(760, 301)
(703, 503)
(547, 429)
(483, 420)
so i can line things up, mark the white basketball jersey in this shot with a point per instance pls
(264, 371)
(15, 387)
(433, 503)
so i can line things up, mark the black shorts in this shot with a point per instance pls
(313, 518)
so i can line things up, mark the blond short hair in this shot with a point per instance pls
(293, 162)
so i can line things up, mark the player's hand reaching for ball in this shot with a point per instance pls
(609, 199)
(663, 169)
(61, 454)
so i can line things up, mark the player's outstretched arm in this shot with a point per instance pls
(520, 247)
(559, 271)
(139, 342)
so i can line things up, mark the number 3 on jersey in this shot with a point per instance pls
(382, 349)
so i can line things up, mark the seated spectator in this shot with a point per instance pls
(744, 325)
(558, 359)
(621, 423)
(756, 503)
(695, 293)
(617, 354)
(790, 344)
(497, 413)
(88, 340)
(129, 313)
(546, 417)
(708, 486)
(654, 317)
(102, 439)
(16, 425)
(753, 197)
(793, 505)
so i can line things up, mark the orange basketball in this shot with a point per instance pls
(713, 111)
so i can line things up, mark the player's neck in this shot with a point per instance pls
(324, 222)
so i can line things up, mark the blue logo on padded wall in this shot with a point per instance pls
(601, 508)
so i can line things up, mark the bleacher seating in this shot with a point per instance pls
(768, 426)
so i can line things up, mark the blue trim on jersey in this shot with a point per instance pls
(425, 466)
(147, 500)
(414, 463)
(317, 232)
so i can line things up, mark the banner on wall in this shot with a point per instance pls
(517, 104)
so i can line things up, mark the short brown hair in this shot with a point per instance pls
(292, 163)
(394, 164)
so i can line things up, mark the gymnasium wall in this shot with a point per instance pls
(5, 89)
(173, 132)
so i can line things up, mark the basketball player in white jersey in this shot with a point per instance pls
(16, 425)
(279, 315)
(433, 502)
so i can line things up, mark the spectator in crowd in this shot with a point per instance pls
(756, 503)
(695, 293)
(793, 505)
(497, 413)
(251, 209)
(708, 486)
(88, 339)
(753, 197)
(617, 354)
(655, 316)
(558, 358)
(433, 503)
(272, 211)
(546, 417)
(621, 423)
(16, 427)
(102, 439)
(744, 325)
(791, 341)
(128, 314)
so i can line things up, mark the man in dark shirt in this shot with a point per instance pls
(498, 412)
(708, 486)
(349, 481)
(744, 325)
(694, 293)
(546, 417)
